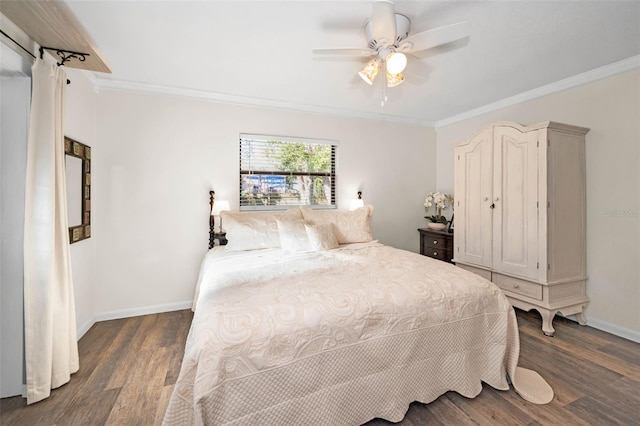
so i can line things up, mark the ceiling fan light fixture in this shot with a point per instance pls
(396, 62)
(394, 79)
(370, 71)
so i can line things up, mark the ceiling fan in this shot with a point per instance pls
(388, 35)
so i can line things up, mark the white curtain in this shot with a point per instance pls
(51, 348)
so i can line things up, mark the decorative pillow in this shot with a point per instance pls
(348, 226)
(293, 236)
(321, 237)
(254, 230)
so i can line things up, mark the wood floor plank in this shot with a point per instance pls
(596, 356)
(625, 353)
(598, 412)
(163, 403)
(128, 369)
(128, 342)
(89, 408)
(483, 410)
(443, 411)
(138, 400)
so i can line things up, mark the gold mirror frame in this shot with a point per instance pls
(83, 152)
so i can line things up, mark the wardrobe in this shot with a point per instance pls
(520, 217)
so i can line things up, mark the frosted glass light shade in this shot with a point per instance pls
(356, 204)
(369, 72)
(394, 79)
(396, 62)
(220, 206)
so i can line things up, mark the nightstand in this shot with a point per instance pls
(220, 236)
(436, 244)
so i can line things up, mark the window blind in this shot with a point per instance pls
(282, 172)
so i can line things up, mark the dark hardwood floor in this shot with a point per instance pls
(128, 368)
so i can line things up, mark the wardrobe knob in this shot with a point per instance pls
(435, 253)
(435, 241)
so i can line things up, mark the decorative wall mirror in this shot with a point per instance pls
(78, 174)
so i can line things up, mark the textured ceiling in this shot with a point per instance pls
(260, 52)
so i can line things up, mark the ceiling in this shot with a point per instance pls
(259, 52)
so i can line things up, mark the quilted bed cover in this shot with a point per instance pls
(337, 337)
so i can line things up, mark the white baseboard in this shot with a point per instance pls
(616, 330)
(85, 327)
(626, 333)
(134, 312)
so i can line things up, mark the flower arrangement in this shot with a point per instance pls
(439, 201)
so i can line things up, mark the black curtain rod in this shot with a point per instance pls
(17, 44)
(60, 52)
(65, 55)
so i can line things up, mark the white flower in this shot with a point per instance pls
(439, 200)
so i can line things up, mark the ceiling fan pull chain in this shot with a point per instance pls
(384, 95)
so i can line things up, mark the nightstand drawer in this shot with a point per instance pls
(443, 242)
(521, 287)
(439, 254)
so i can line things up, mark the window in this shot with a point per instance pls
(280, 172)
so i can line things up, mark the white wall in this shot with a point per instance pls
(611, 109)
(160, 155)
(80, 125)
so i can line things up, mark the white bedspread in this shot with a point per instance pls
(337, 337)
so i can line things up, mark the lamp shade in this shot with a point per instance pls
(369, 72)
(394, 79)
(396, 62)
(356, 204)
(220, 206)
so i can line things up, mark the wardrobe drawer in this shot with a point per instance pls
(514, 285)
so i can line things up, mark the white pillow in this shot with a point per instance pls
(293, 236)
(348, 226)
(254, 230)
(321, 237)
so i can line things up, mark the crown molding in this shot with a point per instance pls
(558, 86)
(548, 89)
(128, 86)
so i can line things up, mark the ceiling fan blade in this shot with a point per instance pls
(436, 37)
(383, 22)
(345, 52)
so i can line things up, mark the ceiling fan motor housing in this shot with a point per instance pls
(403, 24)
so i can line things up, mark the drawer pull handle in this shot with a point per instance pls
(516, 286)
(435, 241)
(435, 253)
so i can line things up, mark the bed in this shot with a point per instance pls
(308, 320)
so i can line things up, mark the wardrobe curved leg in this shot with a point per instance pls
(547, 319)
(582, 320)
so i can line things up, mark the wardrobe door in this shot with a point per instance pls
(472, 192)
(515, 202)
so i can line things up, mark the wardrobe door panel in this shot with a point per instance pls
(473, 194)
(515, 192)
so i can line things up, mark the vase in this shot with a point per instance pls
(436, 226)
